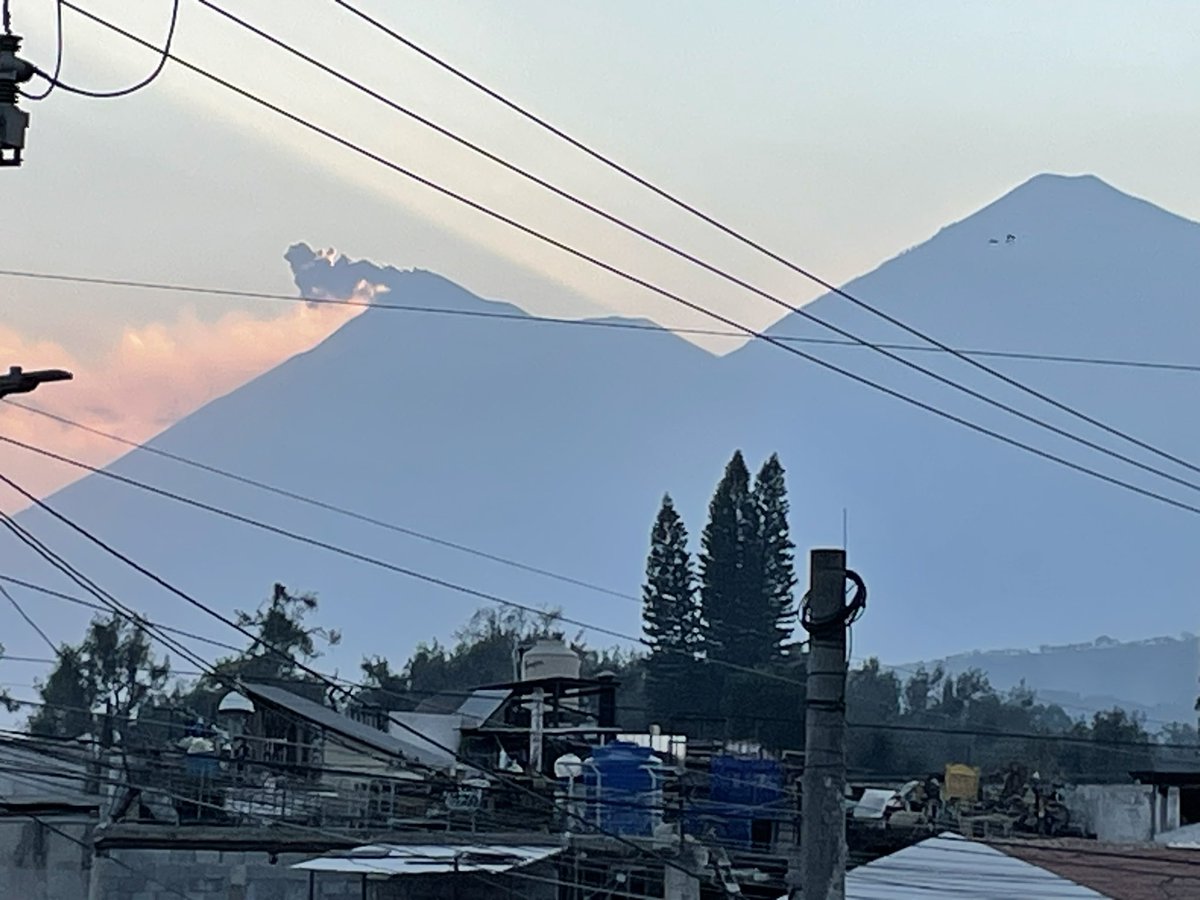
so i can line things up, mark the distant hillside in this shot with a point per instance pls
(553, 445)
(1158, 678)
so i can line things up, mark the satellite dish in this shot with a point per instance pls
(568, 766)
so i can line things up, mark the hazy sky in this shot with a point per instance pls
(838, 134)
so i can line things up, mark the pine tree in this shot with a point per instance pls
(778, 557)
(670, 613)
(738, 624)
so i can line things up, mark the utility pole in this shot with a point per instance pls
(14, 72)
(826, 616)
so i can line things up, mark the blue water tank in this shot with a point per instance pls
(753, 784)
(623, 788)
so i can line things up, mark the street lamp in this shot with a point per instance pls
(18, 381)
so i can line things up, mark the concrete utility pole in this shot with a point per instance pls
(826, 616)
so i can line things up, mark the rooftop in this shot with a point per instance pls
(1117, 871)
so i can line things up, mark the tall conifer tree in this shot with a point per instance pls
(738, 625)
(778, 552)
(670, 611)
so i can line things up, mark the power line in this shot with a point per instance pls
(1102, 743)
(334, 548)
(605, 324)
(109, 601)
(44, 778)
(715, 661)
(636, 280)
(49, 777)
(54, 80)
(729, 231)
(143, 624)
(4, 592)
(175, 590)
(58, 56)
(304, 667)
(959, 731)
(165, 757)
(126, 784)
(99, 608)
(329, 507)
(341, 510)
(295, 536)
(1133, 748)
(742, 283)
(682, 716)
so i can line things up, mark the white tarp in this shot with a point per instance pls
(428, 859)
(872, 803)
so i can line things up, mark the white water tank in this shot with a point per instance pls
(550, 658)
(234, 703)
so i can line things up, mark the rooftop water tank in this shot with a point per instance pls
(624, 789)
(550, 658)
(745, 782)
(235, 703)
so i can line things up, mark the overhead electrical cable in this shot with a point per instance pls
(56, 82)
(737, 235)
(52, 778)
(304, 667)
(78, 601)
(340, 510)
(956, 730)
(719, 663)
(1123, 746)
(325, 545)
(636, 280)
(4, 592)
(58, 57)
(329, 507)
(291, 535)
(606, 324)
(730, 278)
(111, 603)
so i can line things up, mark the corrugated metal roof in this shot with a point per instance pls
(428, 859)
(333, 720)
(950, 867)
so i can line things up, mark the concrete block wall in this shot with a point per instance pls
(38, 864)
(1119, 813)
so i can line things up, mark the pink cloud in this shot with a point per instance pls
(151, 377)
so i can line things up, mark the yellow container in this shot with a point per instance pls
(962, 782)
